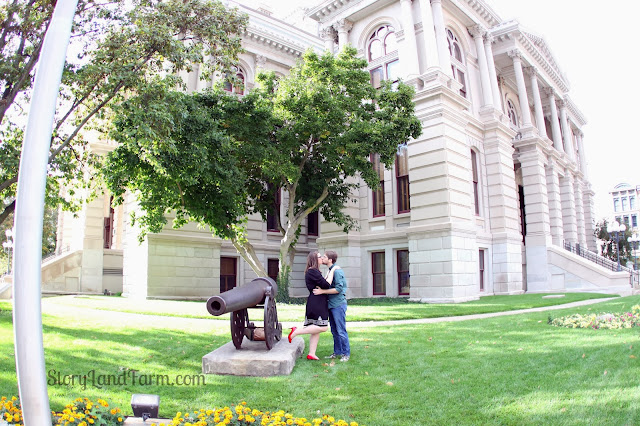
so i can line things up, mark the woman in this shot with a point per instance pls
(317, 315)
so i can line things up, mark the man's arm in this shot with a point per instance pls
(318, 291)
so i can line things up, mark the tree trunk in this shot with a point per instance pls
(245, 249)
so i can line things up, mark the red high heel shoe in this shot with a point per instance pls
(313, 357)
(292, 330)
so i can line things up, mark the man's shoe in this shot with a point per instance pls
(344, 358)
(332, 356)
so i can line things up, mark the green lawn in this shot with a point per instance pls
(359, 309)
(502, 370)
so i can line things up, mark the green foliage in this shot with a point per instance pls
(121, 45)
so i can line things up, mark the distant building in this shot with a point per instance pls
(625, 204)
(482, 203)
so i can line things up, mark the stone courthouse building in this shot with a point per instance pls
(482, 203)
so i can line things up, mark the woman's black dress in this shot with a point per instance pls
(317, 306)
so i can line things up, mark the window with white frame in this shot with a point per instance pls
(624, 204)
(378, 194)
(402, 178)
(632, 202)
(457, 61)
(511, 112)
(616, 204)
(382, 54)
(475, 182)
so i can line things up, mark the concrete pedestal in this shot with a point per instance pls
(253, 359)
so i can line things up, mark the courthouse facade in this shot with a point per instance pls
(482, 203)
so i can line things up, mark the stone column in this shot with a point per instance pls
(536, 207)
(441, 38)
(580, 214)
(537, 102)
(555, 204)
(567, 195)
(582, 155)
(493, 78)
(410, 57)
(504, 220)
(555, 124)
(429, 35)
(566, 131)
(589, 217)
(478, 33)
(343, 27)
(328, 35)
(522, 87)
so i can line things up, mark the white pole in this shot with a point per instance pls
(27, 312)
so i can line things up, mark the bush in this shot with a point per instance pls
(243, 415)
(598, 321)
(81, 412)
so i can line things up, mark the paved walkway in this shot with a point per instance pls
(110, 318)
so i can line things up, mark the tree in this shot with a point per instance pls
(609, 249)
(309, 134)
(122, 45)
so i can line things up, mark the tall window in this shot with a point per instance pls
(457, 61)
(474, 173)
(312, 223)
(382, 53)
(632, 202)
(377, 269)
(481, 268)
(616, 204)
(378, 194)
(228, 273)
(624, 204)
(272, 216)
(237, 86)
(108, 226)
(511, 112)
(272, 269)
(403, 272)
(634, 221)
(402, 178)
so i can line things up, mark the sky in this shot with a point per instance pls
(594, 44)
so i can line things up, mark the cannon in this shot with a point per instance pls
(259, 293)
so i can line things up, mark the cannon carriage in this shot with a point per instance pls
(260, 293)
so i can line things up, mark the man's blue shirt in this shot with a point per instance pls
(340, 284)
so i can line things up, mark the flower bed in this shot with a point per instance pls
(81, 412)
(243, 415)
(598, 321)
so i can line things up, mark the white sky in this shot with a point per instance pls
(594, 44)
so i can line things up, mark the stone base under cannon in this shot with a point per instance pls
(254, 359)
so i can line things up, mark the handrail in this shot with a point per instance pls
(55, 254)
(634, 276)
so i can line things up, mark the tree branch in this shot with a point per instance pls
(7, 211)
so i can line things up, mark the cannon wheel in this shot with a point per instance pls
(272, 328)
(239, 320)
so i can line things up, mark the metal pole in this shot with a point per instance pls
(27, 314)
(618, 249)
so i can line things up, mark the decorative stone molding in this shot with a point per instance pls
(530, 71)
(488, 38)
(328, 34)
(261, 61)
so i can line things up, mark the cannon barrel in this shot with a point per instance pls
(237, 298)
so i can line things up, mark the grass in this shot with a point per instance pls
(371, 309)
(502, 370)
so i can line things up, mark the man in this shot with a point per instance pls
(337, 308)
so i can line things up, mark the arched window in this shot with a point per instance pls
(457, 61)
(236, 86)
(382, 54)
(511, 112)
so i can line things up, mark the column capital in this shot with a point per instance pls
(477, 31)
(343, 25)
(580, 133)
(561, 103)
(514, 53)
(327, 34)
(261, 61)
(488, 38)
(549, 92)
(530, 71)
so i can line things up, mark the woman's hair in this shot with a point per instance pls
(312, 261)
